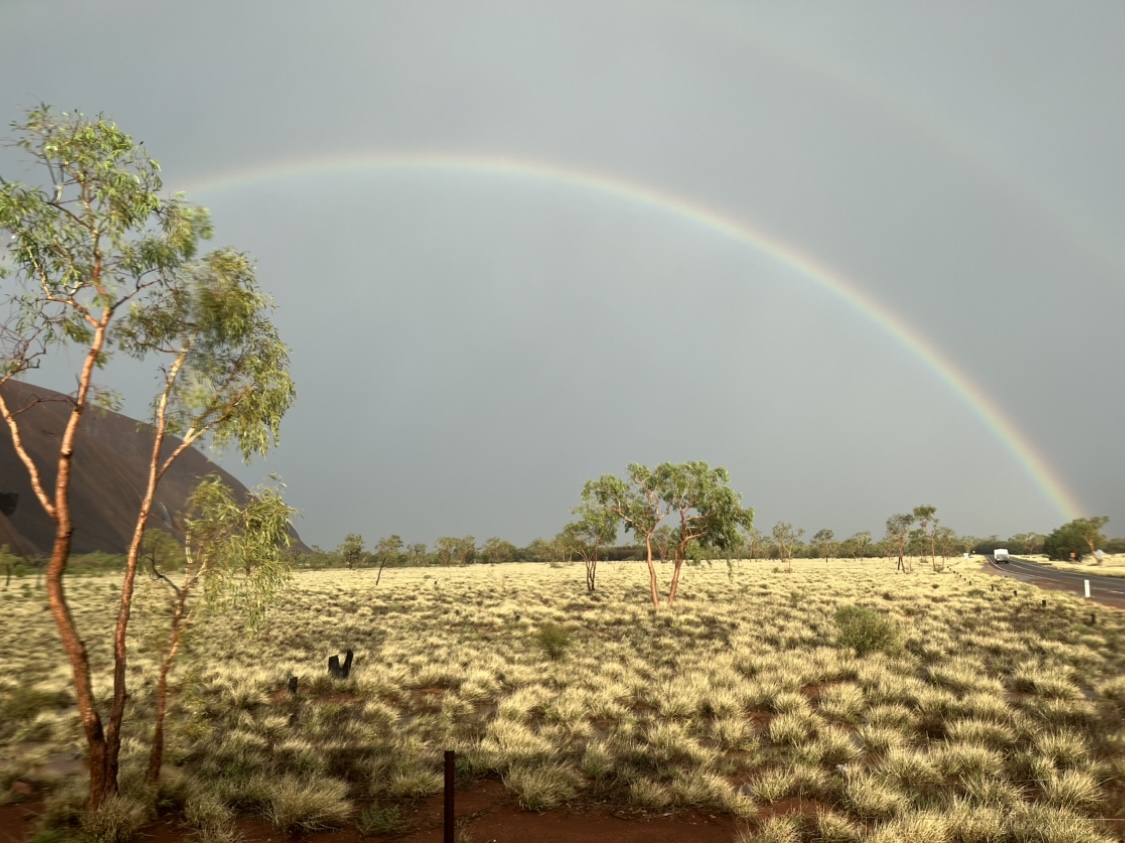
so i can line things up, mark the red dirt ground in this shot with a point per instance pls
(485, 810)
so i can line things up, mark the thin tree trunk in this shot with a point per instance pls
(102, 783)
(156, 755)
(652, 573)
(79, 662)
(677, 565)
(125, 607)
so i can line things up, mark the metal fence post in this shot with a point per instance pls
(450, 767)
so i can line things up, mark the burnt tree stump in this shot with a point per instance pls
(337, 670)
(292, 684)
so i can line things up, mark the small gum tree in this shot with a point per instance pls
(594, 528)
(786, 537)
(100, 262)
(352, 550)
(710, 512)
(927, 527)
(825, 543)
(234, 558)
(636, 505)
(898, 534)
(389, 550)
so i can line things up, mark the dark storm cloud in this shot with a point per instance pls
(469, 349)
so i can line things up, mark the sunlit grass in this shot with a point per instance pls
(962, 713)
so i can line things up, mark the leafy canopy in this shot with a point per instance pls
(97, 257)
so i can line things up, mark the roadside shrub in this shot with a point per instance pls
(866, 631)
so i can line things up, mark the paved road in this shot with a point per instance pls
(1109, 589)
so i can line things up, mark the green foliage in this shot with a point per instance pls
(594, 528)
(351, 550)
(898, 533)
(497, 551)
(104, 261)
(555, 640)
(786, 538)
(867, 631)
(237, 550)
(162, 551)
(1081, 536)
(710, 512)
(824, 543)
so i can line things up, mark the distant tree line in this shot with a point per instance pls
(906, 534)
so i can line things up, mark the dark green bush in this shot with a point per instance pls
(554, 639)
(867, 631)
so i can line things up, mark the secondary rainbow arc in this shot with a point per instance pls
(1035, 465)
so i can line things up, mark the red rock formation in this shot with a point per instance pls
(110, 469)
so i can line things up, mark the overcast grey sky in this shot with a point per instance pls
(472, 343)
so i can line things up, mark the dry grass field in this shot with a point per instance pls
(1113, 565)
(841, 702)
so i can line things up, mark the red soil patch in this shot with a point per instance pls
(814, 692)
(797, 805)
(485, 810)
(760, 719)
(17, 822)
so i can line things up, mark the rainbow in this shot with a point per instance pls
(944, 135)
(1033, 463)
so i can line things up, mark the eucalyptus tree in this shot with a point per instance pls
(497, 551)
(1080, 537)
(825, 543)
(100, 264)
(856, 545)
(947, 542)
(594, 528)
(710, 512)
(388, 551)
(234, 558)
(352, 550)
(786, 537)
(636, 505)
(927, 526)
(898, 534)
(754, 541)
(446, 548)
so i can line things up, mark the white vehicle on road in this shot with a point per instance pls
(1000, 554)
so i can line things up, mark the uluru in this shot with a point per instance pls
(111, 457)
